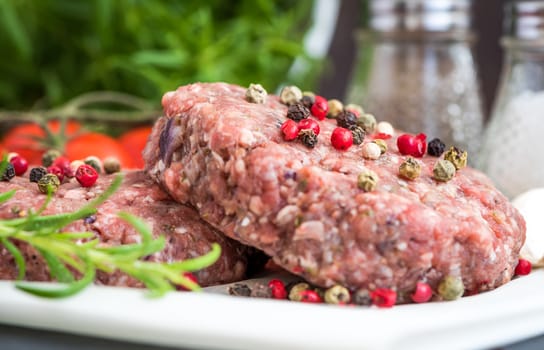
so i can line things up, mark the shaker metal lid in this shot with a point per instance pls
(420, 15)
(525, 19)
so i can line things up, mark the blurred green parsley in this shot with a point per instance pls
(53, 50)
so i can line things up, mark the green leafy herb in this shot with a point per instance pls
(144, 47)
(73, 258)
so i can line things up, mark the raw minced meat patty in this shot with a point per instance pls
(226, 157)
(187, 236)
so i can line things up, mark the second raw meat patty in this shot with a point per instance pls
(187, 236)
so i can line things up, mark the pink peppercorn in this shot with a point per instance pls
(53, 169)
(523, 267)
(411, 145)
(277, 288)
(64, 164)
(309, 124)
(86, 175)
(383, 297)
(341, 138)
(422, 294)
(310, 296)
(191, 277)
(320, 108)
(20, 165)
(290, 130)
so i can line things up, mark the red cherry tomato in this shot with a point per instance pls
(28, 139)
(99, 145)
(134, 141)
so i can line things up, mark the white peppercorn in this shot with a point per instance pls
(335, 108)
(290, 94)
(371, 151)
(385, 128)
(256, 94)
(76, 164)
(382, 144)
(444, 170)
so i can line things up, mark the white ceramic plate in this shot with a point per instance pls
(211, 321)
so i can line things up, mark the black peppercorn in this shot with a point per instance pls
(90, 219)
(9, 172)
(436, 147)
(362, 297)
(358, 134)
(346, 119)
(37, 173)
(240, 290)
(308, 138)
(297, 112)
(308, 101)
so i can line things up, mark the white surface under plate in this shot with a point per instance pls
(211, 321)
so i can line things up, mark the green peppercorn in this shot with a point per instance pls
(444, 170)
(94, 162)
(49, 157)
(111, 165)
(382, 144)
(451, 288)
(358, 134)
(294, 292)
(290, 94)
(255, 93)
(49, 183)
(337, 295)
(367, 180)
(308, 138)
(335, 108)
(410, 169)
(457, 157)
(367, 122)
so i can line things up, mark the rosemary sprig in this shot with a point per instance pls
(74, 258)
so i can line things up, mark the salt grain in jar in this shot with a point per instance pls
(512, 153)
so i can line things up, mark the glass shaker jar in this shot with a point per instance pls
(416, 70)
(512, 152)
